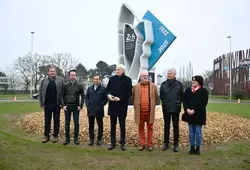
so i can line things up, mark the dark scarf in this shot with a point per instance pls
(118, 82)
(51, 78)
(171, 82)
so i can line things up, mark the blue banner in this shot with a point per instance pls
(163, 38)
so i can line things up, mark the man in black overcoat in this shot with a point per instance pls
(119, 90)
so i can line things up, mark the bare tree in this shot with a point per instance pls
(28, 67)
(14, 79)
(39, 61)
(180, 74)
(183, 73)
(207, 76)
(24, 66)
(187, 73)
(190, 71)
(64, 61)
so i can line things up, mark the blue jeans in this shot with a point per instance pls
(195, 135)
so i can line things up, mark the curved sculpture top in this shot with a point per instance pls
(141, 43)
(134, 43)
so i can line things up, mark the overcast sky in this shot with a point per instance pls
(88, 29)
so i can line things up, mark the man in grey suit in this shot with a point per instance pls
(50, 96)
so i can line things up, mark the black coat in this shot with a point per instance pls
(96, 100)
(71, 94)
(171, 96)
(195, 101)
(120, 87)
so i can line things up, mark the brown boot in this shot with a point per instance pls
(141, 148)
(150, 148)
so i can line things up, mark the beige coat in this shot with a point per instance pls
(136, 99)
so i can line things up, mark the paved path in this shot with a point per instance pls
(18, 100)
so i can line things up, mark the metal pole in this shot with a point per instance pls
(31, 51)
(230, 67)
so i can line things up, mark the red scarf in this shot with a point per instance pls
(194, 89)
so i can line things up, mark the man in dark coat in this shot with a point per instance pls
(171, 94)
(50, 96)
(73, 100)
(119, 90)
(96, 99)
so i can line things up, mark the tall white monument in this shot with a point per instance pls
(141, 42)
(134, 48)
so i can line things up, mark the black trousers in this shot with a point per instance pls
(175, 120)
(48, 110)
(75, 111)
(113, 122)
(99, 120)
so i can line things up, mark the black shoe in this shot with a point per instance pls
(55, 139)
(99, 143)
(76, 141)
(165, 146)
(91, 143)
(123, 147)
(111, 147)
(45, 139)
(192, 150)
(150, 148)
(198, 151)
(66, 142)
(176, 148)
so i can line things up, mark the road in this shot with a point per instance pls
(228, 101)
(18, 100)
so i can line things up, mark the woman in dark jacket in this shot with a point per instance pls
(195, 102)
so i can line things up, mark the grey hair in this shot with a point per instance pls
(144, 72)
(121, 66)
(172, 70)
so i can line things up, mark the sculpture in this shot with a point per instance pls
(140, 46)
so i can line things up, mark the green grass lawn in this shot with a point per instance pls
(19, 150)
(237, 109)
(219, 97)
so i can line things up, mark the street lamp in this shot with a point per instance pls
(31, 51)
(230, 67)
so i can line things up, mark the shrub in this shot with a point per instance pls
(239, 94)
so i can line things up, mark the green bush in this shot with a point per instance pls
(239, 94)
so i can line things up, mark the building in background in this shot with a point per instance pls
(4, 84)
(240, 61)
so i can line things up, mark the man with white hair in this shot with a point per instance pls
(171, 94)
(119, 90)
(145, 97)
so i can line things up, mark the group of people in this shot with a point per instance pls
(55, 94)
